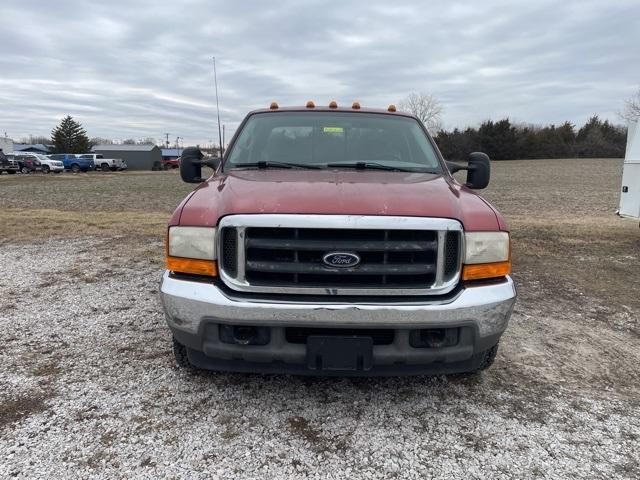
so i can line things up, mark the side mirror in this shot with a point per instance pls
(478, 170)
(191, 164)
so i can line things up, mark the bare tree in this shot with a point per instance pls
(426, 107)
(632, 108)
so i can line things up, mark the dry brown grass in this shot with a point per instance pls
(29, 225)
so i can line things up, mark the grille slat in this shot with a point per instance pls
(368, 246)
(371, 269)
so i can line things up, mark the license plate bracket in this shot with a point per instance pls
(339, 353)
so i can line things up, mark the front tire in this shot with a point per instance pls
(488, 357)
(104, 167)
(46, 169)
(75, 168)
(25, 170)
(180, 354)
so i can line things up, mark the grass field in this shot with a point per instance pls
(564, 390)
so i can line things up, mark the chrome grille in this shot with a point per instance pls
(284, 253)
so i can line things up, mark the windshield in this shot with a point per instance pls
(317, 139)
(42, 157)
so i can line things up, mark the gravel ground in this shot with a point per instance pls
(89, 389)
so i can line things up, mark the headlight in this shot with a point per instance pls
(192, 250)
(487, 255)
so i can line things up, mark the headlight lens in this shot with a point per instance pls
(486, 247)
(192, 242)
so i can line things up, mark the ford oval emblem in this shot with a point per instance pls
(341, 259)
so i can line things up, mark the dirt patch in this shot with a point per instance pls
(13, 410)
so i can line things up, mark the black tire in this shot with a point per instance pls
(25, 169)
(104, 167)
(75, 168)
(11, 172)
(180, 353)
(46, 169)
(488, 357)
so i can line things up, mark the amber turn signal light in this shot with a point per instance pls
(192, 266)
(333, 104)
(273, 106)
(482, 271)
(392, 108)
(310, 104)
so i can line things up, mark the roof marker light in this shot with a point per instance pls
(310, 104)
(355, 106)
(333, 104)
(273, 106)
(392, 108)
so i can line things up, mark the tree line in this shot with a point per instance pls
(503, 140)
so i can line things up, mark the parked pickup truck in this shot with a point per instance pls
(72, 162)
(336, 241)
(7, 164)
(105, 164)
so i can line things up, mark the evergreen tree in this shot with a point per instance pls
(70, 137)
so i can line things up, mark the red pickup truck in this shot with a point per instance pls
(336, 241)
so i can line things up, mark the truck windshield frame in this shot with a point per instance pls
(321, 138)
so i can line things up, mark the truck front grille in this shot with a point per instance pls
(289, 259)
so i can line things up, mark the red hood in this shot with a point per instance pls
(335, 192)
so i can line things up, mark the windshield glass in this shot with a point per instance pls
(322, 138)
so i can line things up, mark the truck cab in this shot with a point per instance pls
(336, 241)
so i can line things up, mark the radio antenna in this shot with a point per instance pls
(215, 81)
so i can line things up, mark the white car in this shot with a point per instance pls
(105, 164)
(48, 165)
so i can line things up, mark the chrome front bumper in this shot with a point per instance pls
(190, 305)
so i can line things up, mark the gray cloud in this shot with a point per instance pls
(138, 69)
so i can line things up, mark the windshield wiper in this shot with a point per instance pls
(368, 166)
(264, 164)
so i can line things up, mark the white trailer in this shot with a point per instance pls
(630, 192)
(6, 144)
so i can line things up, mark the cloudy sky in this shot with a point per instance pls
(134, 69)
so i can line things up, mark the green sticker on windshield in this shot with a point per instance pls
(332, 129)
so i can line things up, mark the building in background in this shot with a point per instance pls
(33, 148)
(6, 144)
(137, 157)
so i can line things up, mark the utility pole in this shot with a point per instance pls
(167, 142)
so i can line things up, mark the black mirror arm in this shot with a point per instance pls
(455, 167)
(209, 162)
